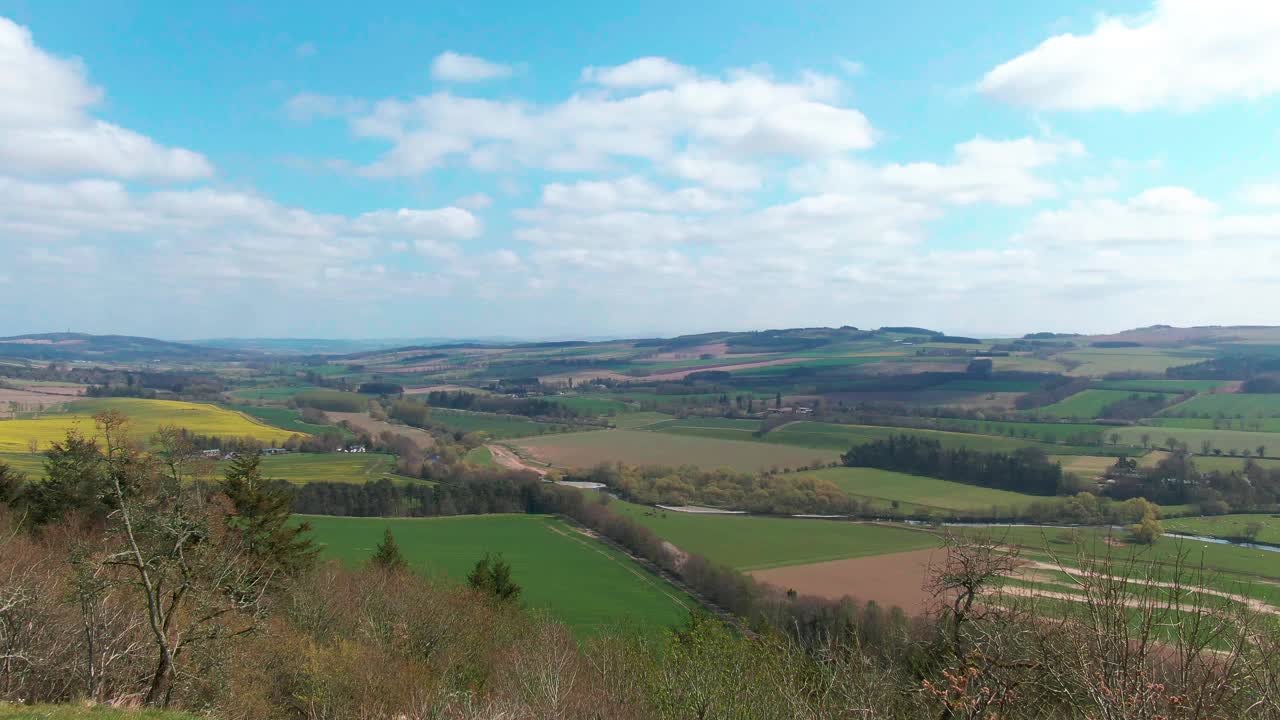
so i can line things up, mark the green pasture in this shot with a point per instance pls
(757, 543)
(1229, 527)
(640, 447)
(1242, 442)
(1230, 405)
(884, 488)
(498, 427)
(285, 419)
(1087, 403)
(580, 581)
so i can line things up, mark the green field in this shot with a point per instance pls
(592, 404)
(1230, 405)
(1097, 362)
(913, 491)
(498, 427)
(481, 456)
(32, 465)
(271, 393)
(285, 419)
(1229, 526)
(1225, 440)
(1161, 385)
(842, 437)
(1042, 431)
(1247, 424)
(757, 543)
(580, 581)
(301, 468)
(640, 447)
(146, 417)
(1087, 403)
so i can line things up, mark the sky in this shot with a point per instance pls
(583, 169)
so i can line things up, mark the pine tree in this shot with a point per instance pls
(492, 576)
(75, 480)
(388, 556)
(261, 513)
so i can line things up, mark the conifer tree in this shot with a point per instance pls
(388, 556)
(261, 512)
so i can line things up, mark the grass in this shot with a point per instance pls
(1097, 362)
(842, 437)
(1249, 424)
(480, 456)
(1149, 386)
(499, 427)
(1225, 440)
(285, 419)
(1231, 405)
(757, 543)
(86, 712)
(1042, 431)
(592, 404)
(1086, 404)
(1088, 466)
(276, 393)
(884, 487)
(146, 416)
(585, 584)
(334, 400)
(32, 465)
(1229, 527)
(302, 468)
(638, 447)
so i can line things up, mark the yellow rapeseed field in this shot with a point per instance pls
(145, 416)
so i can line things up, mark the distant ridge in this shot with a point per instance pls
(106, 348)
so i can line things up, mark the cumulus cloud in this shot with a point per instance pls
(1181, 54)
(645, 72)
(713, 127)
(46, 128)
(455, 67)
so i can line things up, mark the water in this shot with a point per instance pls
(1221, 541)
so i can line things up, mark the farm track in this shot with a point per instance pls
(507, 458)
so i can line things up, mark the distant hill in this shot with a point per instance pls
(106, 348)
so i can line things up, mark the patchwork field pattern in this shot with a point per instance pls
(884, 487)
(638, 447)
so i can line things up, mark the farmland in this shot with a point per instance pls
(283, 418)
(1087, 403)
(755, 543)
(145, 415)
(637, 447)
(301, 468)
(1242, 442)
(1229, 526)
(584, 583)
(912, 491)
(1231, 405)
(498, 427)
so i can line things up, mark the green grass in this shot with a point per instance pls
(592, 404)
(842, 437)
(81, 712)
(577, 579)
(274, 393)
(885, 487)
(1149, 386)
(480, 456)
(1229, 526)
(145, 416)
(32, 465)
(639, 419)
(301, 468)
(285, 419)
(499, 427)
(1043, 431)
(640, 447)
(1097, 362)
(1086, 404)
(1247, 424)
(758, 543)
(1225, 440)
(1230, 405)
(334, 400)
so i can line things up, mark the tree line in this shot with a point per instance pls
(1026, 470)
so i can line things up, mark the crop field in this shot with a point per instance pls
(1249, 424)
(1229, 527)
(302, 468)
(1230, 405)
(481, 456)
(1087, 466)
(333, 400)
(1087, 403)
(842, 437)
(271, 393)
(1096, 362)
(592, 404)
(989, 386)
(146, 417)
(1042, 431)
(32, 465)
(498, 427)
(912, 491)
(638, 447)
(285, 419)
(580, 581)
(1242, 442)
(756, 543)
(1170, 386)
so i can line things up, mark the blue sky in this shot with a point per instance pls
(589, 169)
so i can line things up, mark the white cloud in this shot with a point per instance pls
(999, 172)
(45, 128)
(474, 201)
(450, 66)
(698, 126)
(631, 192)
(1262, 194)
(1181, 54)
(645, 72)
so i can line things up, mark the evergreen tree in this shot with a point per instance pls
(388, 556)
(75, 481)
(11, 482)
(261, 511)
(493, 576)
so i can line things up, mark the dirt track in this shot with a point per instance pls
(893, 579)
(508, 459)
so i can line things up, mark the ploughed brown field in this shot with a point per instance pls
(893, 579)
